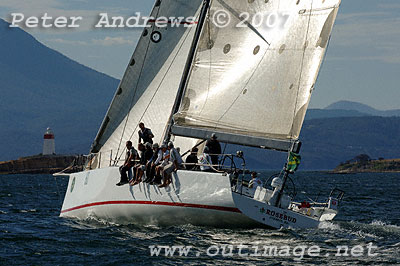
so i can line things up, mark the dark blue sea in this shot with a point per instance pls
(32, 233)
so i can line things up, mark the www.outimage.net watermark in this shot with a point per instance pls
(219, 18)
(297, 252)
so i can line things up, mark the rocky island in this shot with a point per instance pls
(38, 164)
(364, 164)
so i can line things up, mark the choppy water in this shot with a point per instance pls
(31, 233)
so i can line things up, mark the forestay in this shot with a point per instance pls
(253, 80)
(148, 89)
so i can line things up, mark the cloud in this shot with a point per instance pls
(69, 42)
(369, 36)
(28, 5)
(346, 16)
(389, 6)
(386, 59)
(107, 41)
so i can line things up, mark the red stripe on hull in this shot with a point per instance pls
(159, 203)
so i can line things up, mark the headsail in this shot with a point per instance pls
(253, 83)
(148, 88)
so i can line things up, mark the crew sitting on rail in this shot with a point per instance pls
(164, 161)
(140, 152)
(175, 162)
(153, 163)
(145, 157)
(131, 156)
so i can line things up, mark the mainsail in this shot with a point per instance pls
(149, 86)
(252, 83)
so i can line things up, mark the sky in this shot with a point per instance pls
(362, 63)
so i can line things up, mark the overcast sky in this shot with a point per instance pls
(362, 64)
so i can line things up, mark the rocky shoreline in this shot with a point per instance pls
(372, 166)
(39, 164)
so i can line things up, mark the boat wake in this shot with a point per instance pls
(375, 230)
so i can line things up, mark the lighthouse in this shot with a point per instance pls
(48, 143)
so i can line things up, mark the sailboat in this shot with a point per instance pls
(248, 81)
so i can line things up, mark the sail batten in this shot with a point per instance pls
(257, 81)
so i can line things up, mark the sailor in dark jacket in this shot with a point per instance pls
(145, 134)
(214, 149)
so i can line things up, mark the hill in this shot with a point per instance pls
(348, 109)
(361, 108)
(330, 141)
(373, 166)
(324, 113)
(41, 87)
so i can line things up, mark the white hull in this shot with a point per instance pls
(196, 198)
(258, 207)
(273, 216)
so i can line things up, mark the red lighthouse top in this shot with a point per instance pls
(49, 134)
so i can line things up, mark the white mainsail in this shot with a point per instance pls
(148, 89)
(255, 81)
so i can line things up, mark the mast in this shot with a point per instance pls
(295, 149)
(186, 72)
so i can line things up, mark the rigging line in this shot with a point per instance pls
(134, 94)
(162, 80)
(237, 15)
(302, 66)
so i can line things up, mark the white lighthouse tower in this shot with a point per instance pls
(49, 146)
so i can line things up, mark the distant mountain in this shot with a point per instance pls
(348, 109)
(331, 141)
(361, 108)
(324, 113)
(41, 87)
(328, 142)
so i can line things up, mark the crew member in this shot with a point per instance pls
(131, 155)
(145, 134)
(214, 148)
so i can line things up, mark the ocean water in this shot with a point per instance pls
(31, 233)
